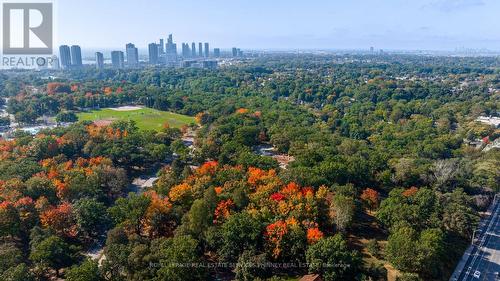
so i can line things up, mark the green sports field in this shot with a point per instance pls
(145, 118)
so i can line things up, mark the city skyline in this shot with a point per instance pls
(391, 24)
(158, 54)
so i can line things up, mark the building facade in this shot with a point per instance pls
(117, 59)
(193, 49)
(99, 60)
(65, 56)
(217, 52)
(153, 53)
(132, 55)
(76, 56)
(207, 50)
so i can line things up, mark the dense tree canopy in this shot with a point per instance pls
(294, 159)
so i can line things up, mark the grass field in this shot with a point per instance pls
(145, 118)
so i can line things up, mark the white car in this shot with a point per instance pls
(477, 274)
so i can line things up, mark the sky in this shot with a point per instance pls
(283, 24)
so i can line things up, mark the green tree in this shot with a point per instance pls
(178, 257)
(91, 217)
(52, 252)
(250, 266)
(86, 271)
(402, 250)
(240, 232)
(10, 255)
(130, 211)
(10, 222)
(66, 117)
(20, 272)
(199, 217)
(332, 259)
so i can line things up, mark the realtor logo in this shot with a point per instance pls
(27, 28)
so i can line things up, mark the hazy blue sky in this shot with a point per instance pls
(332, 24)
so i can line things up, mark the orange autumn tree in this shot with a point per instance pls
(222, 211)
(180, 192)
(274, 236)
(410, 191)
(370, 198)
(61, 219)
(156, 219)
(57, 87)
(314, 235)
(107, 91)
(241, 110)
(262, 182)
(209, 167)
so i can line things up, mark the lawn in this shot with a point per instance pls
(145, 118)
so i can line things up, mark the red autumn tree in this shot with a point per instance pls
(370, 198)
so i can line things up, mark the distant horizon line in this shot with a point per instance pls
(295, 48)
(316, 49)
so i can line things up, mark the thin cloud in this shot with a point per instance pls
(453, 5)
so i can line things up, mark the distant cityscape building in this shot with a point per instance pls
(372, 49)
(117, 59)
(207, 50)
(170, 51)
(99, 60)
(159, 53)
(217, 52)
(186, 51)
(161, 47)
(132, 55)
(55, 62)
(210, 64)
(193, 49)
(65, 56)
(76, 56)
(153, 53)
(237, 52)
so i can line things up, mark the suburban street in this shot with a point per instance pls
(482, 260)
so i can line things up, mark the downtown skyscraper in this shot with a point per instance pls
(117, 59)
(161, 48)
(170, 51)
(207, 50)
(153, 53)
(65, 56)
(132, 55)
(76, 56)
(99, 60)
(193, 49)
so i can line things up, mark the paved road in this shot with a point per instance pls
(484, 256)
